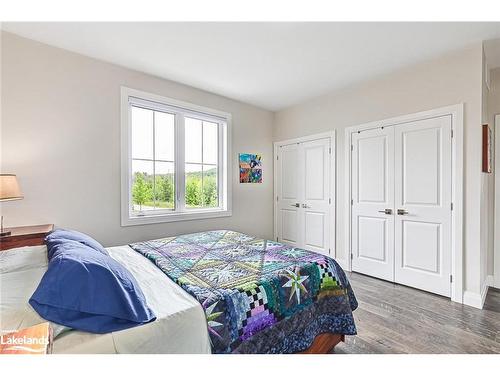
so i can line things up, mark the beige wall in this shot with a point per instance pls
(61, 136)
(452, 79)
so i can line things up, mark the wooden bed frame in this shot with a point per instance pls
(324, 343)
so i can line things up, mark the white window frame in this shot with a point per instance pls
(179, 108)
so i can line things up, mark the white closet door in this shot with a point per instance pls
(304, 201)
(373, 203)
(315, 203)
(423, 203)
(289, 195)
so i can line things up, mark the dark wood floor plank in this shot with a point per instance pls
(397, 319)
(434, 314)
(432, 303)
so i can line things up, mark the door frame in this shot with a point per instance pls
(457, 145)
(496, 221)
(333, 179)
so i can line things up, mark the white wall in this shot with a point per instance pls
(487, 194)
(494, 109)
(61, 136)
(452, 79)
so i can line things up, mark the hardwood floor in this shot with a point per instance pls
(396, 319)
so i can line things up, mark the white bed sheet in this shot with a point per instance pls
(180, 326)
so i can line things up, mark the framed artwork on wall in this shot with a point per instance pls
(487, 149)
(250, 168)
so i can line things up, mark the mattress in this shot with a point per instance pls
(180, 326)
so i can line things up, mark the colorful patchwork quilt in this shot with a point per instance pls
(259, 296)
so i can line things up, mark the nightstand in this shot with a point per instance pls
(33, 235)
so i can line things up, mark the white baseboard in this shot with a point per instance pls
(473, 299)
(490, 280)
(476, 299)
(496, 283)
(484, 292)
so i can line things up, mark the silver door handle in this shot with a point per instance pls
(387, 211)
(295, 205)
(305, 206)
(402, 211)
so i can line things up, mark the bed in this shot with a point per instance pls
(181, 321)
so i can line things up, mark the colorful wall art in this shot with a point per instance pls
(251, 168)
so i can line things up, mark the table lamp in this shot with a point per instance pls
(9, 191)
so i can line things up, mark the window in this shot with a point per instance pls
(174, 160)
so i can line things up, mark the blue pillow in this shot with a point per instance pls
(66, 234)
(89, 291)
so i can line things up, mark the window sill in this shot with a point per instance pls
(172, 217)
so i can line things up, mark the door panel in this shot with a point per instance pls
(372, 237)
(289, 172)
(421, 179)
(289, 221)
(423, 191)
(315, 236)
(304, 214)
(422, 246)
(372, 168)
(316, 198)
(314, 172)
(289, 225)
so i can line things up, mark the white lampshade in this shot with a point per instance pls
(9, 188)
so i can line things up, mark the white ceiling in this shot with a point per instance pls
(271, 65)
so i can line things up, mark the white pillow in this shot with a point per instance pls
(23, 258)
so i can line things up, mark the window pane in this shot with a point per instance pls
(164, 185)
(193, 140)
(142, 133)
(210, 198)
(193, 186)
(210, 141)
(164, 136)
(142, 185)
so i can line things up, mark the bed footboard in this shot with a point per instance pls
(324, 343)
